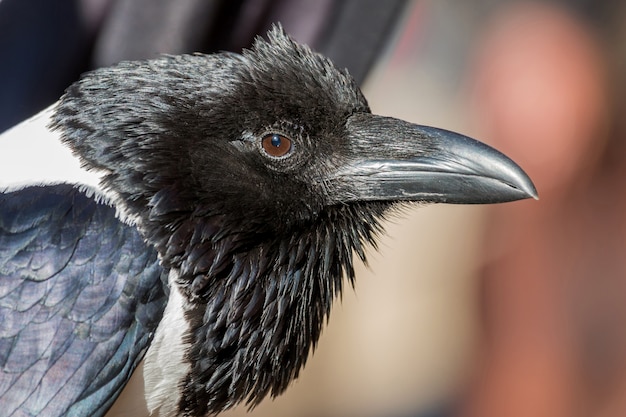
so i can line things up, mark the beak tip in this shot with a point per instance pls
(535, 196)
(523, 183)
(529, 189)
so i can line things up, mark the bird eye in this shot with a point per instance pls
(276, 145)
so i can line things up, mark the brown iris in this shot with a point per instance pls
(276, 145)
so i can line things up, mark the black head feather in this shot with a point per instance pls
(259, 252)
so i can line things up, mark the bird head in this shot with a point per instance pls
(257, 177)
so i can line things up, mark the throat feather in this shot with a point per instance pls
(256, 311)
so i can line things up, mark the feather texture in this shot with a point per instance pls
(80, 298)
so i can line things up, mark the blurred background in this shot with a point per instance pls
(470, 311)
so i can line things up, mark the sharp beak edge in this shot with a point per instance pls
(396, 160)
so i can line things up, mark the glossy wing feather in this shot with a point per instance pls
(81, 295)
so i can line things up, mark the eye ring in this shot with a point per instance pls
(276, 145)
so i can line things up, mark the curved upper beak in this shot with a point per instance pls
(395, 160)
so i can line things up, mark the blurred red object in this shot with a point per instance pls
(554, 281)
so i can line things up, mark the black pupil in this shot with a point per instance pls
(276, 142)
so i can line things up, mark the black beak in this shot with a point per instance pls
(395, 160)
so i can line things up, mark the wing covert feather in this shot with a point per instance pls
(81, 295)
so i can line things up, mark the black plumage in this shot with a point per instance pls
(258, 254)
(57, 315)
(256, 178)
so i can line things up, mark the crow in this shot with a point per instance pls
(201, 213)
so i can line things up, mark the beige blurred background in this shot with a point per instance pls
(515, 310)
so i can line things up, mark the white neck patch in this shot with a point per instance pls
(31, 154)
(164, 366)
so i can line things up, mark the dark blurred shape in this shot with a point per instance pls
(43, 48)
(45, 45)
(357, 31)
